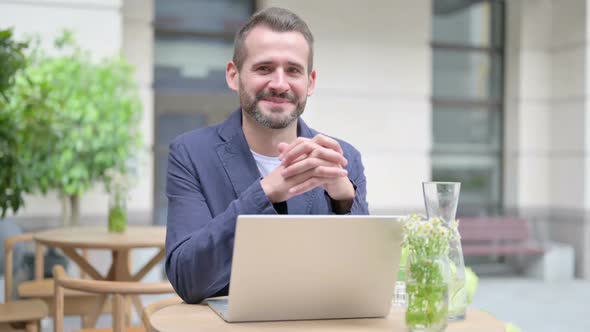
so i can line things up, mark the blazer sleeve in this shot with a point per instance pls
(356, 175)
(199, 246)
(358, 179)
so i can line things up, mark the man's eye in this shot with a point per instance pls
(294, 70)
(263, 69)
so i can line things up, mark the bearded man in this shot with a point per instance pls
(262, 160)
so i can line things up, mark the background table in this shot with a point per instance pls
(187, 317)
(70, 239)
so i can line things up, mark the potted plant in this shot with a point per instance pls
(427, 273)
(75, 118)
(118, 181)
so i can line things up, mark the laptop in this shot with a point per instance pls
(290, 267)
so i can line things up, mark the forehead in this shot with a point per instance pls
(263, 44)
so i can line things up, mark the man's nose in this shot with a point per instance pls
(278, 82)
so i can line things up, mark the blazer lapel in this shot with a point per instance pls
(241, 168)
(235, 154)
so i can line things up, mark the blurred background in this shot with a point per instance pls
(493, 94)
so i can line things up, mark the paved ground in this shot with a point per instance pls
(536, 306)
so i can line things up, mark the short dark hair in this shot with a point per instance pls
(278, 20)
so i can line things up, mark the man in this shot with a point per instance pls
(262, 160)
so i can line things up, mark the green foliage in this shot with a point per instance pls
(512, 328)
(427, 284)
(401, 274)
(75, 117)
(117, 219)
(12, 60)
(471, 282)
(457, 292)
(427, 291)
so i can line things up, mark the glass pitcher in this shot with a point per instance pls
(440, 200)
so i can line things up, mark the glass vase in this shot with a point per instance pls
(427, 288)
(441, 200)
(457, 289)
(399, 293)
(117, 212)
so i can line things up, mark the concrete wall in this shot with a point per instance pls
(106, 28)
(97, 23)
(527, 110)
(137, 48)
(374, 88)
(569, 98)
(546, 126)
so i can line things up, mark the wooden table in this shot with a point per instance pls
(70, 239)
(187, 317)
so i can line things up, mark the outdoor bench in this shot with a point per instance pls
(511, 240)
(497, 236)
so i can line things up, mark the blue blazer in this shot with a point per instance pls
(212, 178)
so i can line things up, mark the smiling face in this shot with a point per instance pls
(274, 81)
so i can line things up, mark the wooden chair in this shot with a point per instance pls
(79, 303)
(22, 315)
(118, 290)
(150, 309)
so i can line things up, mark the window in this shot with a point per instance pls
(194, 38)
(467, 101)
(193, 42)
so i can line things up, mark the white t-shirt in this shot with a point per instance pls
(265, 164)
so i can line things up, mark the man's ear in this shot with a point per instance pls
(311, 86)
(232, 75)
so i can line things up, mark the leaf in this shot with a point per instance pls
(70, 118)
(12, 62)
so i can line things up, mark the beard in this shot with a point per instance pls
(280, 121)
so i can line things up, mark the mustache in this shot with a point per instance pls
(270, 94)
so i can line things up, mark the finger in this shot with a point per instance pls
(299, 167)
(320, 168)
(307, 185)
(297, 180)
(295, 152)
(329, 155)
(301, 182)
(316, 151)
(328, 142)
(330, 172)
(301, 157)
(289, 147)
(282, 147)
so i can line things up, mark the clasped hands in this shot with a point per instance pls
(306, 164)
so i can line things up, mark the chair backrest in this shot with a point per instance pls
(117, 289)
(9, 252)
(10, 228)
(9, 244)
(150, 309)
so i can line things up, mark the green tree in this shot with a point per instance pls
(12, 60)
(75, 119)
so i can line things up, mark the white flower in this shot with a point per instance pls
(117, 181)
(427, 236)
